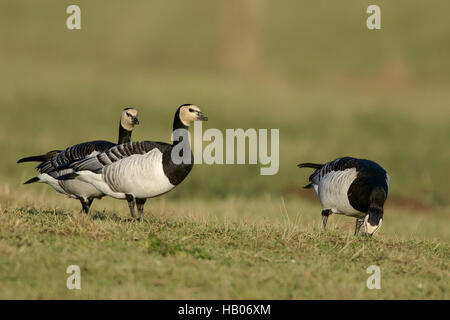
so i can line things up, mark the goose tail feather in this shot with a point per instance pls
(68, 176)
(39, 158)
(310, 165)
(32, 180)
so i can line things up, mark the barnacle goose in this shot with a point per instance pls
(353, 187)
(82, 191)
(136, 171)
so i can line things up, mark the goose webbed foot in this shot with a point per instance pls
(359, 223)
(130, 200)
(140, 206)
(325, 214)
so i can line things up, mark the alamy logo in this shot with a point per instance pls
(74, 20)
(74, 280)
(237, 142)
(374, 20)
(374, 281)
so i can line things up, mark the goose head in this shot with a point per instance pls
(129, 119)
(374, 217)
(188, 113)
(372, 224)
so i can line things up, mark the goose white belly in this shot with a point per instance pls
(54, 183)
(71, 188)
(139, 175)
(80, 189)
(332, 190)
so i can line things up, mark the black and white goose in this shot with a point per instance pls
(353, 187)
(136, 171)
(50, 161)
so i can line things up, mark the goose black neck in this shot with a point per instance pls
(179, 125)
(177, 172)
(124, 135)
(377, 198)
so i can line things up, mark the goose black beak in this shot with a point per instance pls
(201, 117)
(135, 120)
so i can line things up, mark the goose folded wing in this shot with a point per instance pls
(116, 153)
(340, 164)
(74, 153)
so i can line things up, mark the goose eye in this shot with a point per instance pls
(191, 110)
(129, 115)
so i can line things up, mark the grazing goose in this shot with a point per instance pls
(353, 187)
(53, 159)
(136, 171)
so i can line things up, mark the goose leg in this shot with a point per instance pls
(359, 223)
(90, 203)
(325, 214)
(140, 206)
(85, 205)
(130, 200)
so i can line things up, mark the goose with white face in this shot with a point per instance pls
(136, 171)
(190, 113)
(352, 187)
(129, 119)
(371, 229)
(50, 171)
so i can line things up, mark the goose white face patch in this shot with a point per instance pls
(189, 114)
(369, 228)
(127, 119)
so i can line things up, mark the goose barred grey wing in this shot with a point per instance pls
(74, 153)
(116, 153)
(340, 164)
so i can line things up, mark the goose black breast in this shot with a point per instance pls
(370, 176)
(175, 172)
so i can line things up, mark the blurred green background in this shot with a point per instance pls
(309, 68)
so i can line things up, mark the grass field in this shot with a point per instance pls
(266, 248)
(314, 71)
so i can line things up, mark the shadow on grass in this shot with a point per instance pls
(112, 216)
(174, 246)
(94, 215)
(34, 211)
(97, 215)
